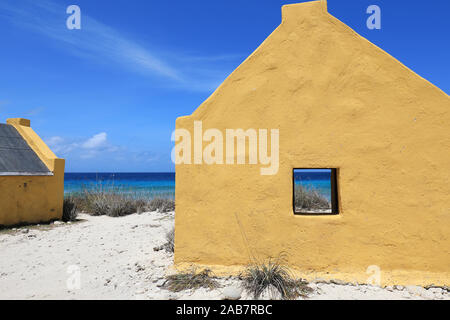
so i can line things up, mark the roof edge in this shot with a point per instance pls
(355, 34)
(36, 144)
(291, 12)
(19, 122)
(10, 174)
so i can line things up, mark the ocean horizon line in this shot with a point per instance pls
(103, 172)
(156, 183)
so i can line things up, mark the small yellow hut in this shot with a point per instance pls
(327, 99)
(31, 176)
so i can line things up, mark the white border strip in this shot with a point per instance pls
(26, 174)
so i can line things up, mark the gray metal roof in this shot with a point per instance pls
(16, 156)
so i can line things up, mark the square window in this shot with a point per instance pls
(315, 191)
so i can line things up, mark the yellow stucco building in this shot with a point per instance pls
(337, 101)
(31, 176)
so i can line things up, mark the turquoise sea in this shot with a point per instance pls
(163, 184)
(319, 180)
(150, 184)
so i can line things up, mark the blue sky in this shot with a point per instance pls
(106, 97)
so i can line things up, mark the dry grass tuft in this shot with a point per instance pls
(190, 280)
(169, 246)
(273, 274)
(161, 205)
(69, 210)
(310, 199)
(117, 201)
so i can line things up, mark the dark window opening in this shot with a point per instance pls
(315, 191)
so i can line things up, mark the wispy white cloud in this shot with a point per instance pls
(97, 146)
(53, 141)
(96, 141)
(60, 146)
(102, 43)
(212, 58)
(94, 40)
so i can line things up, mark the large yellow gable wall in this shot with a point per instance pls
(340, 102)
(32, 199)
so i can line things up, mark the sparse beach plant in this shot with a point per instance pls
(169, 246)
(111, 203)
(161, 205)
(310, 199)
(80, 200)
(69, 209)
(116, 201)
(119, 207)
(191, 280)
(140, 205)
(98, 204)
(273, 275)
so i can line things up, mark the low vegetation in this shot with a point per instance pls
(310, 199)
(161, 205)
(190, 280)
(169, 246)
(273, 275)
(118, 201)
(70, 212)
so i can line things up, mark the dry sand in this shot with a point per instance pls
(113, 258)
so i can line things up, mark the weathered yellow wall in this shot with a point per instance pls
(341, 102)
(32, 199)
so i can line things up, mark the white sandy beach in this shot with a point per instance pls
(114, 259)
